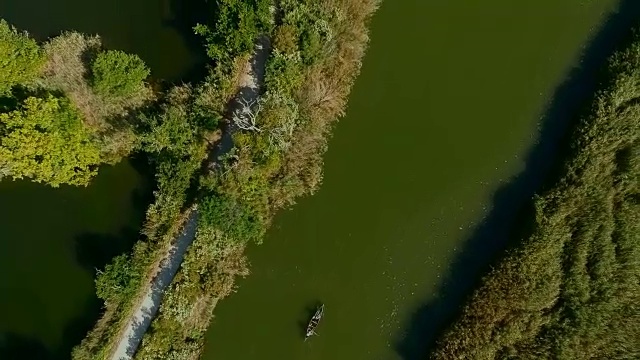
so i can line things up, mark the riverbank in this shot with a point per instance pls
(569, 291)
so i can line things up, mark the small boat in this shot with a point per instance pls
(313, 323)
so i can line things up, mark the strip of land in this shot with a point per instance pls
(128, 343)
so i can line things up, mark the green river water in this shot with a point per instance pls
(439, 147)
(439, 139)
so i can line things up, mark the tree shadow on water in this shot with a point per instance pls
(95, 250)
(18, 347)
(512, 212)
(14, 346)
(184, 15)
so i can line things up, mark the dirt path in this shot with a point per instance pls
(142, 317)
(138, 325)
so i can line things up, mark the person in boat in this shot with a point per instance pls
(315, 320)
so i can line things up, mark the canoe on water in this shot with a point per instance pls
(313, 323)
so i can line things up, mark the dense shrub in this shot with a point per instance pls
(264, 170)
(46, 141)
(20, 57)
(236, 27)
(116, 73)
(115, 279)
(285, 39)
(238, 220)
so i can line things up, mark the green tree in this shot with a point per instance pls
(45, 140)
(239, 220)
(238, 23)
(115, 278)
(116, 73)
(20, 57)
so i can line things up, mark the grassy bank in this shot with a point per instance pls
(572, 289)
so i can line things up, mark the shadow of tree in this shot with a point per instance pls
(95, 250)
(18, 347)
(15, 346)
(511, 216)
(185, 14)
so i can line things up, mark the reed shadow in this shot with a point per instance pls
(510, 219)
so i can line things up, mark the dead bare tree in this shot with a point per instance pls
(245, 116)
(280, 136)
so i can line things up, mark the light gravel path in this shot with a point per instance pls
(141, 320)
(138, 325)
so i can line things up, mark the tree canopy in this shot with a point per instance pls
(45, 140)
(20, 57)
(116, 73)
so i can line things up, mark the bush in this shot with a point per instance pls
(285, 39)
(115, 278)
(236, 219)
(20, 57)
(45, 140)
(116, 73)
(237, 25)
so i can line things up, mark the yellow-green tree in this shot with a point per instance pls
(46, 141)
(20, 57)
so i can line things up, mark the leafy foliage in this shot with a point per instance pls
(236, 27)
(173, 139)
(20, 57)
(115, 278)
(236, 219)
(572, 290)
(46, 141)
(116, 73)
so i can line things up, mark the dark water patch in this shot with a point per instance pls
(15, 346)
(48, 259)
(160, 31)
(94, 250)
(185, 15)
(511, 216)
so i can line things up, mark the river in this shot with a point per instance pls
(52, 240)
(450, 129)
